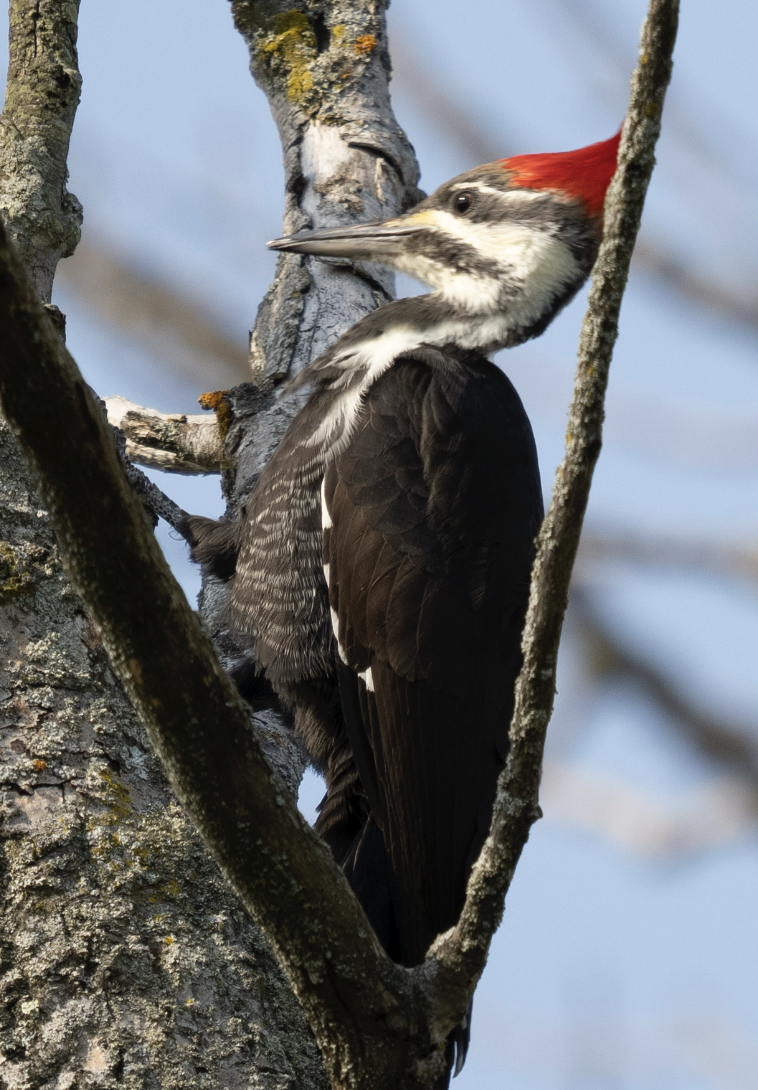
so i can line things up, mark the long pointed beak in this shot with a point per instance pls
(364, 242)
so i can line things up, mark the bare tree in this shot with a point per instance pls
(126, 959)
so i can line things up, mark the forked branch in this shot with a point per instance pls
(378, 1026)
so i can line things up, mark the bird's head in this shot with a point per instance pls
(517, 237)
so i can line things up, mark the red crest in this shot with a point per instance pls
(584, 173)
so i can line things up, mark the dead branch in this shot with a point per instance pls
(175, 443)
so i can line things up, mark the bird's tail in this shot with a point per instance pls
(456, 1048)
(366, 868)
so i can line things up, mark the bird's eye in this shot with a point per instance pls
(462, 202)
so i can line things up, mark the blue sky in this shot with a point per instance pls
(613, 968)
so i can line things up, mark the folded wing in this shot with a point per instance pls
(431, 513)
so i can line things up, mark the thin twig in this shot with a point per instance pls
(459, 956)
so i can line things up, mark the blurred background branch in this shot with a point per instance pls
(180, 333)
(607, 656)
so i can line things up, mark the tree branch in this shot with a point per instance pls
(346, 157)
(41, 97)
(357, 1000)
(704, 817)
(324, 68)
(325, 71)
(713, 557)
(172, 442)
(102, 958)
(458, 958)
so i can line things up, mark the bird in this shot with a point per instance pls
(379, 573)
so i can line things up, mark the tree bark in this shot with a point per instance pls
(125, 958)
(41, 97)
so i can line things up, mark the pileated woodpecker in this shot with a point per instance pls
(383, 560)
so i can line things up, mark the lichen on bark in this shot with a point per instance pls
(377, 1025)
(325, 70)
(42, 94)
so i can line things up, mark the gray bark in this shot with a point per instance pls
(325, 70)
(175, 443)
(125, 958)
(41, 96)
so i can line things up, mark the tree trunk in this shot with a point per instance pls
(126, 958)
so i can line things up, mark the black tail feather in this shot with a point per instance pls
(367, 870)
(456, 1049)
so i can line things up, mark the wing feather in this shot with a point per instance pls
(435, 504)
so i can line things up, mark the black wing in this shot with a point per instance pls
(434, 507)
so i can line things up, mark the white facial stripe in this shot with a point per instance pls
(475, 294)
(466, 289)
(538, 263)
(536, 267)
(514, 197)
(500, 242)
